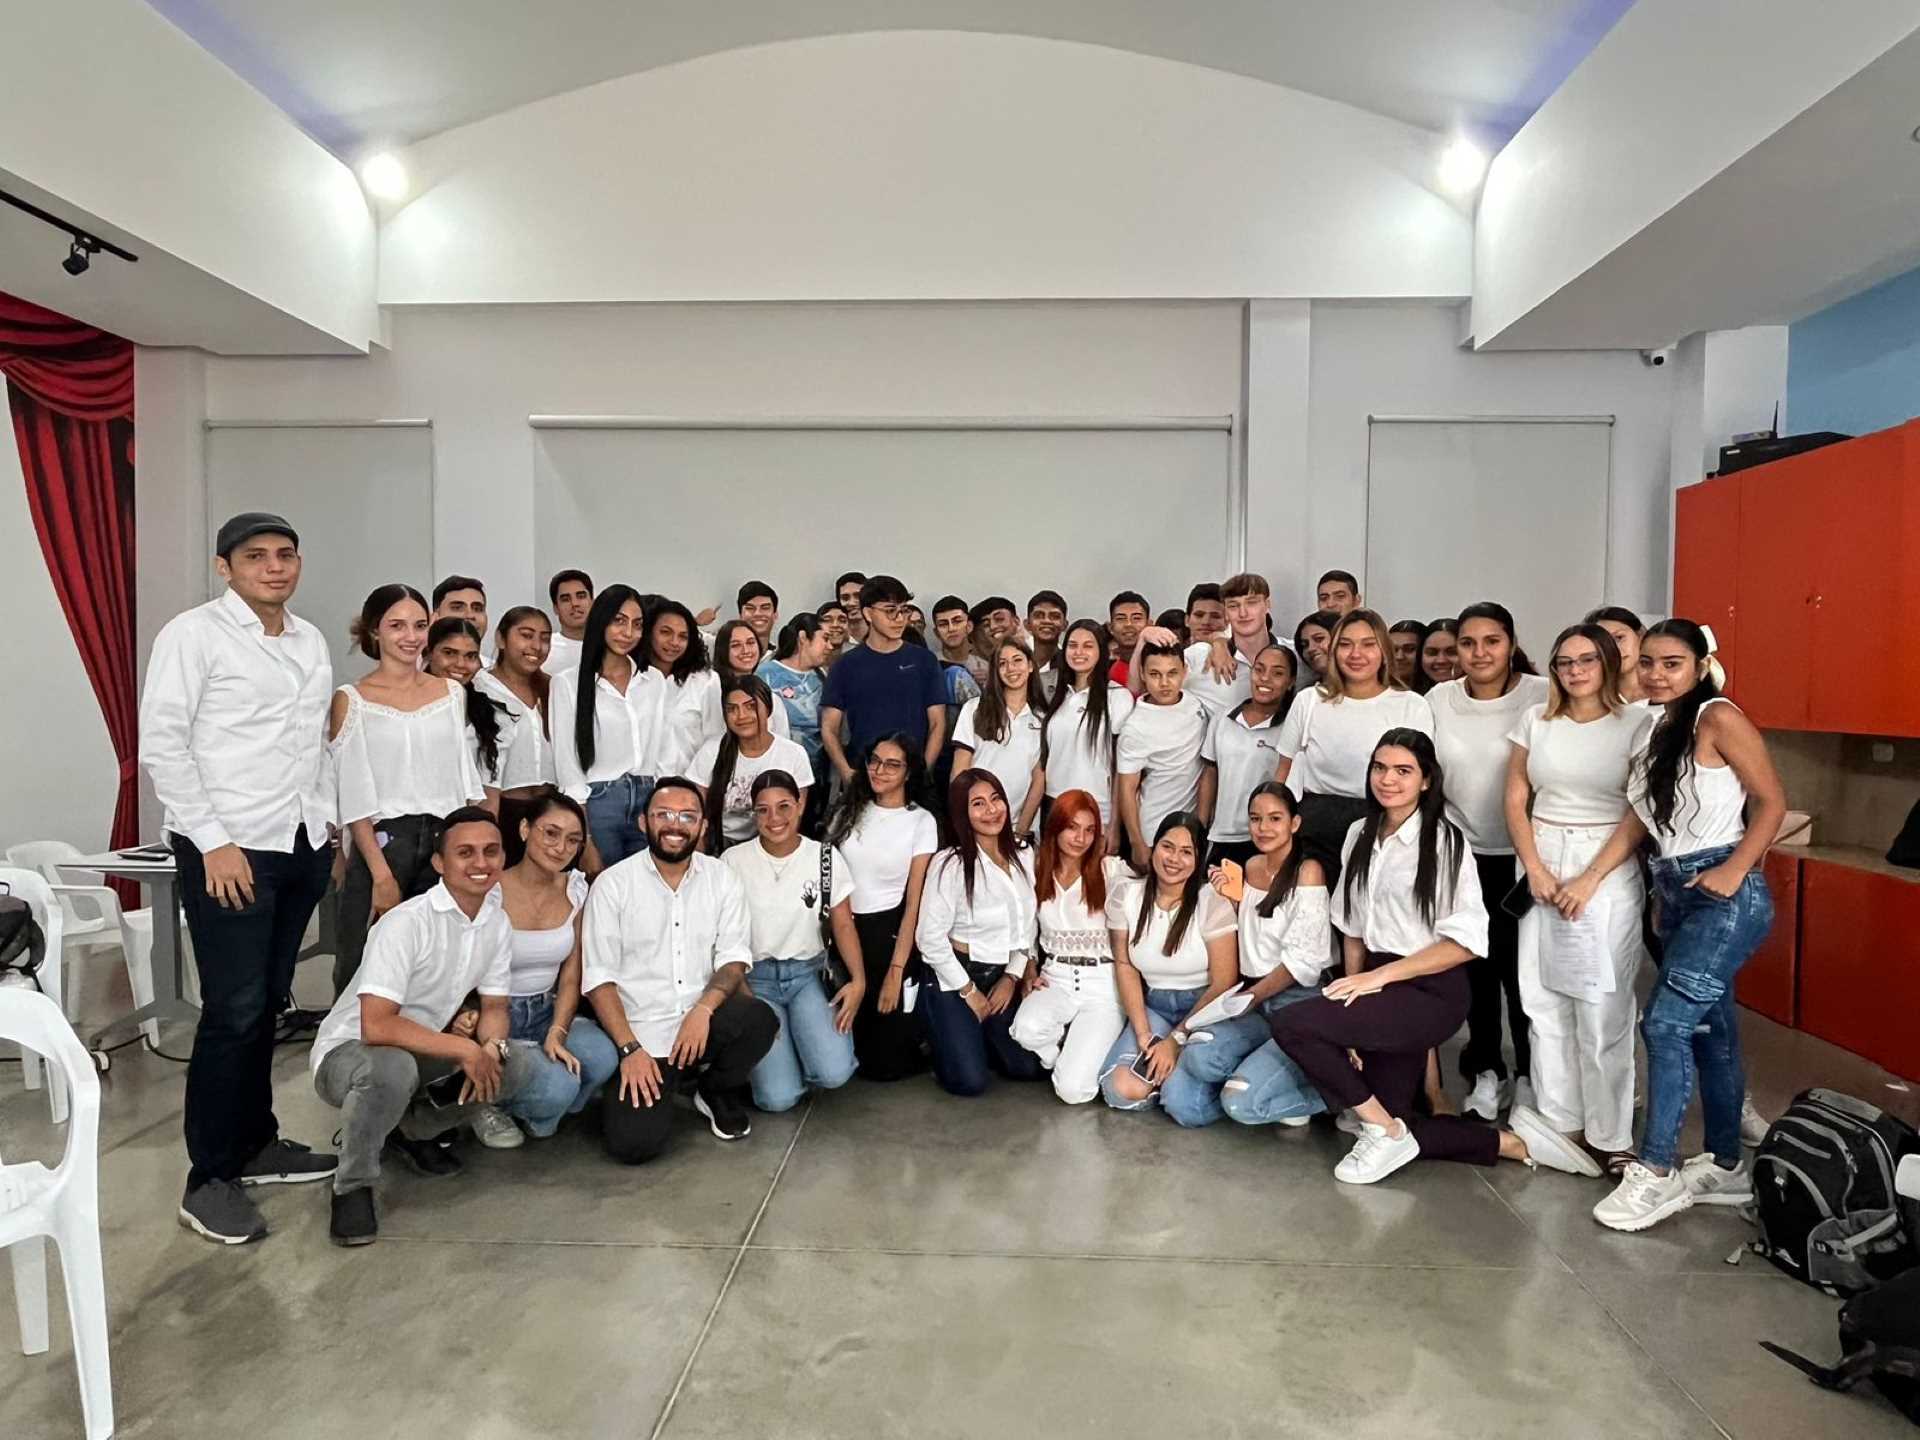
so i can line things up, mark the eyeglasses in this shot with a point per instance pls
(888, 612)
(554, 835)
(1567, 664)
(885, 764)
(684, 817)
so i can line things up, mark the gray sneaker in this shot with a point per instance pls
(222, 1212)
(1711, 1183)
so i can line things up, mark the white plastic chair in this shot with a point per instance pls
(39, 897)
(91, 912)
(63, 1203)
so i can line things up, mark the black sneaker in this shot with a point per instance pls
(354, 1222)
(726, 1115)
(427, 1157)
(288, 1162)
(222, 1212)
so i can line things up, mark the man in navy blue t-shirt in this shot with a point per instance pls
(884, 685)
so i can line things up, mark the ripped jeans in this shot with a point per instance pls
(1690, 1022)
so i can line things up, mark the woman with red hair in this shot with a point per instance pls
(1072, 1015)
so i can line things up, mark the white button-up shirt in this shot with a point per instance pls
(622, 728)
(998, 926)
(233, 728)
(659, 946)
(1382, 914)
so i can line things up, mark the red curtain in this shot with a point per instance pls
(70, 389)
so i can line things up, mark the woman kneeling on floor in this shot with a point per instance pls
(1408, 906)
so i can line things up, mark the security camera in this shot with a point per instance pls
(1657, 357)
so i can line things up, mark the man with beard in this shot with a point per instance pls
(666, 946)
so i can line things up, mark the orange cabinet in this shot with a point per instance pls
(1860, 962)
(1774, 591)
(1769, 981)
(1706, 561)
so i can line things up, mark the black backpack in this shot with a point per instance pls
(1879, 1338)
(1824, 1195)
(22, 945)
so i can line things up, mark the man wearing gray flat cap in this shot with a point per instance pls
(233, 734)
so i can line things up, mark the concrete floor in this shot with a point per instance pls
(891, 1262)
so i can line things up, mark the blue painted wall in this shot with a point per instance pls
(1855, 367)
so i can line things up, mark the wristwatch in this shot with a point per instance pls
(628, 1048)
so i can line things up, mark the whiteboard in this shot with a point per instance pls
(692, 512)
(1499, 509)
(361, 497)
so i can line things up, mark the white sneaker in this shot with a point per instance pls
(494, 1128)
(1547, 1146)
(1377, 1154)
(1711, 1184)
(1489, 1093)
(1347, 1123)
(1753, 1125)
(1295, 1122)
(1643, 1199)
(1523, 1094)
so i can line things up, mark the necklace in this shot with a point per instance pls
(780, 864)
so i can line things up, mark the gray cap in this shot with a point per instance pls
(245, 527)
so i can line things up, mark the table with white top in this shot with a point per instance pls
(152, 867)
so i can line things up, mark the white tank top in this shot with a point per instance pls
(1709, 804)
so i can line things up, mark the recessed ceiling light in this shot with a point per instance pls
(1462, 167)
(385, 177)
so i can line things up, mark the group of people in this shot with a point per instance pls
(1179, 862)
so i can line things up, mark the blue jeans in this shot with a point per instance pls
(1242, 1049)
(809, 1050)
(552, 1090)
(614, 811)
(1690, 1022)
(1165, 1009)
(966, 1049)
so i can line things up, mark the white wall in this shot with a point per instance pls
(59, 777)
(1405, 360)
(925, 164)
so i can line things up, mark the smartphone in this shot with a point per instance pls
(443, 1091)
(1139, 1066)
(1517, 901)
(1233, 880)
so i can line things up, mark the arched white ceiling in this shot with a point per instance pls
(354, 72)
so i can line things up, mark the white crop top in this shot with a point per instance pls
(391, 762)
(1709, 802)
(1068, 929)
(539, 954)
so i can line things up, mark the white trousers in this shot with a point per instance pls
(1583, 1049)
(1070, 1023)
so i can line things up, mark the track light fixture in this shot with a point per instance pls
(84, 247)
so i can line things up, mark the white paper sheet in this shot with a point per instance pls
(1573, 953)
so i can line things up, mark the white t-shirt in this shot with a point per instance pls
(563, 654)
(783, 897)
(1331, 741)
(1163, 743)
(1470, 739)
(1298, 935)
(1074, 762)
(1186, 967)
(1245, 756)
(1012, 759)
(1579, 771)
(880, 854)
(736, 819)
(1220, 696)
(1069, 928)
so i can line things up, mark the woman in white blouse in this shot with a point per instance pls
(1085, 715)
(1175, 948)
(726, 766)
(688, 690)
(1409, 911)
(1070, 1015)
(1243, 748)
(976, 932)
(1331, 730)
(1000, 730)
(605, 712)
(398, 741)
(517, 680)
(504, 757)
(1566, 801)
(1232, 1066)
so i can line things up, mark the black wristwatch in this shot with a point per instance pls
(628, 1048)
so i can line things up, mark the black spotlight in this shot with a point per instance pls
(80, 256)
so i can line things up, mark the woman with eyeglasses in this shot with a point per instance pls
(799, 903)
(887, 839)
(606, 711)
(1574, 834)
(727, 766)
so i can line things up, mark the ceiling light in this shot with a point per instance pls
(1462, 167)
(385, 177)
(79, 256)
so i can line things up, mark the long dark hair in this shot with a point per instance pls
(593, 650)
(805, 625)
(723, 643)
(1423, 682)
(364, 632)
(1288, 875)
(990, 719)
(728, 758)
(1196, 829)
(693, 659)
(1669, 757)
(1517, 663)
(857, 794)
(483, 711)
(1097, 723)
(1437, 833)
(1320, 620)
(966, 845)
(541, 682)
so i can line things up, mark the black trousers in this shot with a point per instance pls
(966, 1049)
(887, 1046)
(1324, 822)
(245, 958)
(1238, 851)
(409, 855)
(742, 1030)
(1493, 975)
